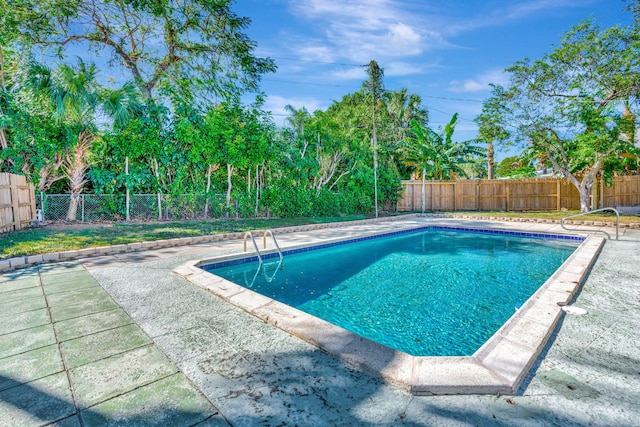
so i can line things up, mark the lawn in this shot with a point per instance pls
(64, 237)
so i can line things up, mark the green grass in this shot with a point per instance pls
(58, 238)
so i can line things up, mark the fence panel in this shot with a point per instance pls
(142, 207)
(624, 191)
(569, 196)
(492, 195)
(17, 202)
(534, 194)
(443, 196)
(466, 195)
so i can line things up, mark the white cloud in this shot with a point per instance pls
(500, 13)
(402, 68)
(352, 73)
(480, 83)
(315, 52)
(405, 38)
(276, 104)
(360, 30)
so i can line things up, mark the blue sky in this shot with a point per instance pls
(445, 51)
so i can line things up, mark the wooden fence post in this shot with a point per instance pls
(15, 201)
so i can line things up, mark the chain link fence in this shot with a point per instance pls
(141, 207)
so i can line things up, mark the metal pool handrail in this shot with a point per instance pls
(273, 236)
(595, 210)
(255, 245)
(264, 243)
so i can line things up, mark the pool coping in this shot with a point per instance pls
(498, 367)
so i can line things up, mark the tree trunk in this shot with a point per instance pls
(588, 178)
(127, 199)
(206, 193)
(585, 199)
(76, 166)
(490, 156)
(229, 186)
(424, 172)
(72, 212)
(47, 175)
(257, 180)
(158, 195)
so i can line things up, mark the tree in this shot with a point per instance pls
(436, 155)
(182, 47)
(566, 105)
(490, 129)
(76, 99)
(403, 109)
(22, 119)
(376, 92)
(515, 167)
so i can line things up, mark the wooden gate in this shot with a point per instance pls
(17, 202)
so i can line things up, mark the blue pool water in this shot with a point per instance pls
(429, 293)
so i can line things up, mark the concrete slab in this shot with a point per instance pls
(172, 401)
(30, 366)
(21, 294)
(90, 324)
(8, 284)
(26, 320)
(26, 340)
(74, 295)
(100, 302)
(101, 345)
(69, 274)
(70, 286)
(37, 403)
(60, 267)
(73, 421)
(22, 305)
(107, 378)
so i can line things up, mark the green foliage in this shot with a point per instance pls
(566, 106)
(285, 199)
(436, 155)
(182, 48)
(515, 167)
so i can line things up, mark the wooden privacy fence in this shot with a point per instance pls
(17, 202)
(535, 194)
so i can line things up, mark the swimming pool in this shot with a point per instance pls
(498, 366)
(432, 292)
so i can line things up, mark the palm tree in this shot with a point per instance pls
(490, 129)
(436, 155)
(403, 109)
(297, 119)
(77, 99)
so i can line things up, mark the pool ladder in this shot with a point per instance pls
(596, 231)
(264, 267)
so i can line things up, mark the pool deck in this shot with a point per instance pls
(122, 340)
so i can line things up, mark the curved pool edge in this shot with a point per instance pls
(498, 367)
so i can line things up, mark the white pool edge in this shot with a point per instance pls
(498, 367)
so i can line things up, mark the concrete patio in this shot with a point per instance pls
(120, 340)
